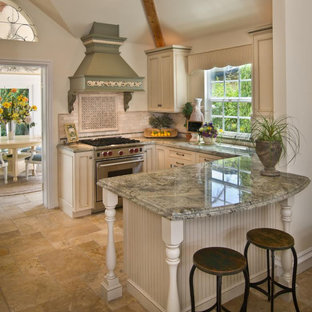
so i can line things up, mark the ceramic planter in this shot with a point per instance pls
(269, 154)
(209, 141)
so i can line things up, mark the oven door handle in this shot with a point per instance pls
(121, 163)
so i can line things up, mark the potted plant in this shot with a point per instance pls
(160, 127)
(208, 132)
(272, 138)
(14, 108)
(187, 112)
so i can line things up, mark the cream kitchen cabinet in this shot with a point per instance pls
(178, 157)
(76, 182)
(263, 72)
(161, 155)
(167, 78)
(201, 157)
(149, 158)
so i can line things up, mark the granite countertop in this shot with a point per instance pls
(76, 147)
(219, 149)
(222, 150)
(206, 189)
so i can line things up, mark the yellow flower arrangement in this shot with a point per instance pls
(14, 105)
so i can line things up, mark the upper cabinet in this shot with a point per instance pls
(263, 72)
(167, 78)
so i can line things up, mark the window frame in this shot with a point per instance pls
(209, 100)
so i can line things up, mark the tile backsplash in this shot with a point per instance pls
(129, 123)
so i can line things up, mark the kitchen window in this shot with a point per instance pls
(228, 93)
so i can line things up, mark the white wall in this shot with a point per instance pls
(293, 95)
(33, 83)
(65, 52)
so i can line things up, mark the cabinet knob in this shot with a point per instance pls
(90, 157)
(159, 105)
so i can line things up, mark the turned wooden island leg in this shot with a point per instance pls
(286, 257)
(172, 235)
(112, 289)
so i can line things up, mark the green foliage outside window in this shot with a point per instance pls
(231, 94)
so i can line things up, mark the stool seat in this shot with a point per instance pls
(272, 239)
(219, 261)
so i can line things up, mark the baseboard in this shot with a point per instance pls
(304, 261)
(145, 300)
(227, 294)
(68, 209)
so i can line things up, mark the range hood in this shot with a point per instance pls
(103, 69)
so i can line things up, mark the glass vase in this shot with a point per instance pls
(10, 129)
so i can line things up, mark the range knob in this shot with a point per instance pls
(131, 150)
(104, 154)
(110, 153)
(120, 153)
(136, 150)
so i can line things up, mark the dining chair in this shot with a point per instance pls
(4, 166)
(35, 158)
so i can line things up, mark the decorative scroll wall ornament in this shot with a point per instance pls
(71, 100)
(127, 99)
(117, 84)
(15, 24)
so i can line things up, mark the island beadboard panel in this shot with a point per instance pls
(145, 254)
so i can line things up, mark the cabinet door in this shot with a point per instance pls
(201, 157)
(263, 73)
(154, 83)
(84, 181)
(149, 158)
(166, 79)
(161, 158)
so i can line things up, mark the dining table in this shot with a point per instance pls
(19, 142)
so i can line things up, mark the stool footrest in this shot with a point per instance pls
(283, 286)
(259, 282)
(214, 306)
(281, 292)
(260, 289)
(284, 290)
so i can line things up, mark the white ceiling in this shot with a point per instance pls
(180, 20)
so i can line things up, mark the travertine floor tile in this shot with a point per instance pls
(52, 263)
(7, 226)
(3, 304)
(30, 244)
(67, 264)
(30, 291)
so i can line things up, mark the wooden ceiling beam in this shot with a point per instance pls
(152, 18)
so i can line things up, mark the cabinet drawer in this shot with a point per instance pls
(201, 157)
(174, 162)
(185, 156)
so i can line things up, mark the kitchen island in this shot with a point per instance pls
(170, 214)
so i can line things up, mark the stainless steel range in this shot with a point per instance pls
(114, 157)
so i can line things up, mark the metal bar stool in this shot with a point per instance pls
(272, 240)
(219, 261)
